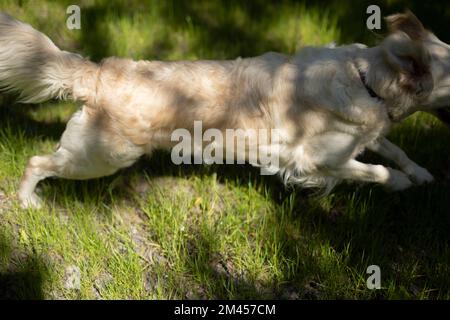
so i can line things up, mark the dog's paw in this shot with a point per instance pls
(398, 181)
(418, 174)
(31, 201)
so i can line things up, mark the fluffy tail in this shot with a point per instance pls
(32, 66)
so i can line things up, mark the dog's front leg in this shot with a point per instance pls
(390, 151)
(358, 171)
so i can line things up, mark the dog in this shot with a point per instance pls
(330, 104)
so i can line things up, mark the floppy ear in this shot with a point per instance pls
(406, 22)
(405, 53)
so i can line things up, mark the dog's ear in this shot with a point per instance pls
(408, 23)
(410, 59)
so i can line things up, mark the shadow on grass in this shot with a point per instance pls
(15, 118)
(22, 274)
(403, 232)
(225, 37)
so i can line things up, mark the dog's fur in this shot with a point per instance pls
(316, 99)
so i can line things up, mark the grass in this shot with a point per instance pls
(160, 231)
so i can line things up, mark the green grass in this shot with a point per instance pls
(160, 231)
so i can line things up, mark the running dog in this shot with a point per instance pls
(330, 104)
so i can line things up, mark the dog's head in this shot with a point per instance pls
(422, 63)
(405, 81)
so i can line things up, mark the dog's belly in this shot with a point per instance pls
(331, 148)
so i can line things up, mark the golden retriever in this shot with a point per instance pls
(329, 104)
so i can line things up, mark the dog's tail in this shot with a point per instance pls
(32, 66)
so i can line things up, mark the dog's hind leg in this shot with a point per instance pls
(86, 151)
(64, 164)
(38, 168)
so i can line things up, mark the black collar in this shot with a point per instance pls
(373, 94)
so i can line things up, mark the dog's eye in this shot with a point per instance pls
(410, 65)
(418, 68)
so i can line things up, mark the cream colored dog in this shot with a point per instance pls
(329, 103)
